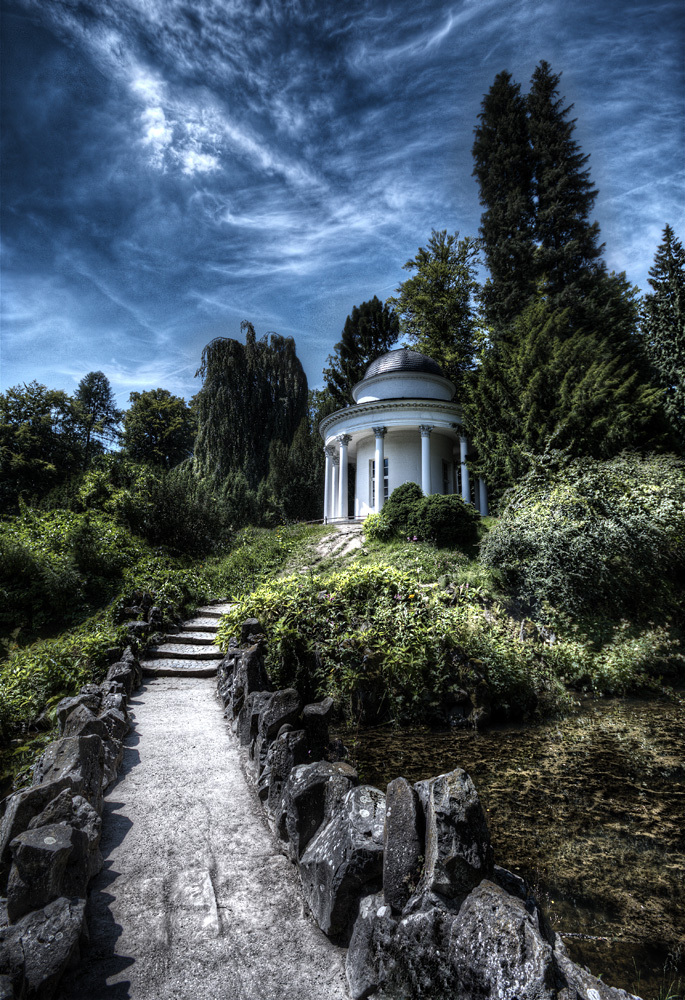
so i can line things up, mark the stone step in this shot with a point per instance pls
(215, 610)
(192, 638)
(199, 625)
(178, 668)
(178, 651)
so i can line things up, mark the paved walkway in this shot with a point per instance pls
(194, 902)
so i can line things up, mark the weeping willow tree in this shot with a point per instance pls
(252, 394)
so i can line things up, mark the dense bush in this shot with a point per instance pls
(442, 519)
(57, 566)
(445, 520)
(171, 508)
(594, 537)
(373, 634)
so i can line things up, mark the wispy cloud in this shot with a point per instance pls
(281, 160)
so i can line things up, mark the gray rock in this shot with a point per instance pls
(90, 699)
(249, 675)
(82, 722)
(403, 843)
(41, 947)
(131, 660)
(496, 949)
(225, 676)
(458, 850)
(250, 626)
(123, 674)
(116, 724)
(248, 717)
(316, 718)
(288, 751)
(113, 696)
(490, 947)
(47, 863)
(74, 811)
(372, 937)
(6, 988)
(283, 707)
(139, 629)
(345, 861)
(406, 956)
(79, 760)
(311, 795)
(21, 809)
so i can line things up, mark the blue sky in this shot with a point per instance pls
(173, 167)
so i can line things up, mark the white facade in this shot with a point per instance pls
(404, 416)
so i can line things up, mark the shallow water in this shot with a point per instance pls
(590, 810)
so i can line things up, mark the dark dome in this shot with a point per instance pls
(402, 360)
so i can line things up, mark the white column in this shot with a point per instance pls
(343, 440)
(465, 487)
(426, 459)
(334, 487)
(379, 468)
(328, 451)
(483, 496)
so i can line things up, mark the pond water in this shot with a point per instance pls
(590, 810)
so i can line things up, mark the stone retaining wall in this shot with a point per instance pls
(404, 878)
(50, 837)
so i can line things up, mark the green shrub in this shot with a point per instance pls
(594, 537)
(377, 528)
(445, 520)
(399, 508)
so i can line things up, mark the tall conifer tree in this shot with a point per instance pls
(371, 329)
(504, 170)
(663, 327)
(568, 252)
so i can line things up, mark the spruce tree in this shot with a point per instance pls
(504, 170)
(663, 328)
(252, 394)
(555, 386)
(568, 252)
(371, 329)
(435, 304)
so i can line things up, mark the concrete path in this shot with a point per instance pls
(194, 902)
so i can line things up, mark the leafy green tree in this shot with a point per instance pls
(663, 327)
(252, 394)
(296, 475)
(97, 413)
(159, 428)
(503, 167)
(434, 305)
(568, 252)
(370, 330)
(40, 442)
(554, 386)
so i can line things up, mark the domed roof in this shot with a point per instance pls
(402, 360)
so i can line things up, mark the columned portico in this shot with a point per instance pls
(343, 440)
(465, 485)
(379, 467)
(404, 427)
(426, 458)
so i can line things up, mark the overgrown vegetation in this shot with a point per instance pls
(38, 674)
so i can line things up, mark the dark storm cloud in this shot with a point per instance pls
(176, 167)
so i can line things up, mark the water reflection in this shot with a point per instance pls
(589, 809)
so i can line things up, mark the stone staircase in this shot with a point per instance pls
(192, 651)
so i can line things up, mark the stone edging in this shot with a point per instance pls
(405, 880)
(50, 836)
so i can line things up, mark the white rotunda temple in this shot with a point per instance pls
(404, 427)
